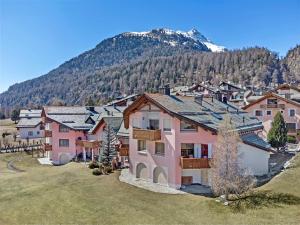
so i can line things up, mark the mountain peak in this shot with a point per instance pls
(192, 34)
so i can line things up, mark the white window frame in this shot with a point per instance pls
(164, 149)
(165, 123)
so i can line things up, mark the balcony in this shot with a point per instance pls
(194, 163)
(47, 147)
(48, 133)
(145, 134)
(272, 106)
(88, 143)
(124, 150)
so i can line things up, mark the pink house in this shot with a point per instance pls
(77, 132)
(171, 138)
(281, 100)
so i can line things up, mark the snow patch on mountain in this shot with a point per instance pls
(193, 34)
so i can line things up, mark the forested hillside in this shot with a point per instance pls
(135, 62)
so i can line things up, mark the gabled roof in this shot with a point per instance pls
(30, 113)
(207, 115)
(29, 122)
(286, 86)
(274, 95)
(256, 141)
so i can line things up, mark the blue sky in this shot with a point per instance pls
(37, 36)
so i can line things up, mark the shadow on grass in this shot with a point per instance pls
(261, 199)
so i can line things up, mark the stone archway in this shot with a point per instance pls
(160, 176)
(141, 171)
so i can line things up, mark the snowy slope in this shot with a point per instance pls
(193, 35)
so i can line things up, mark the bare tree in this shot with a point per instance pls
(227, 175)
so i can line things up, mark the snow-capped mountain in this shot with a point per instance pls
(173, 36)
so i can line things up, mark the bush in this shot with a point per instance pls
(93, 165)
(291, 139)
(107, 169)
(97, 172)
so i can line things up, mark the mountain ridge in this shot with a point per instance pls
(107, 70)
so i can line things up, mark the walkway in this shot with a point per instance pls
(126, 177)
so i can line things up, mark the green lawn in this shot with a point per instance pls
(70, 194)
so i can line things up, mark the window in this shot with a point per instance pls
(30, 133)
(38, 133)
(159, 148)
(291, 127)
(141, 145)
(269, 112)
(167, 125)
(63, 128)
(204, 151)
(63, 142)
(272, 101)
(292, 112)
(258, 113)
(153, 124)
(187, 126)
(187, 150)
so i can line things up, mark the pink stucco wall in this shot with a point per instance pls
(267, 120)
(170, 162)
(72, 136)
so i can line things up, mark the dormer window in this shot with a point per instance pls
(184, 126)
(63, 129)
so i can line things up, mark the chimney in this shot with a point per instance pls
(167, 90)
(198, 99)
(218, 96)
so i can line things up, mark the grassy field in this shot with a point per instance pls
(70, 194)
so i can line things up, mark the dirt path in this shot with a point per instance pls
(11, 166)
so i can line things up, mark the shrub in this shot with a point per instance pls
(97, 172)
(291, 139)
(93, 165)
(107, 169)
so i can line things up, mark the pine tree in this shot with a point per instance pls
(90, 102)
(15, 115)
(277, 135)
(108, 147)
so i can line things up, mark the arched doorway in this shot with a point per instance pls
(64, 158)
(141, 171)
(160, 176)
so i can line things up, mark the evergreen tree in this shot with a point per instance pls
(15, 115)
(277, 135)
(90, 102)
(108, 147)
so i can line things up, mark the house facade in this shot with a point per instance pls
(171, 138)
(77, 132)
(266, 107)
(30, 124)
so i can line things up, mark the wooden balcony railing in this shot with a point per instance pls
(88, 143)
(124, 150)
(48, 133)
(47, 147)
(272, 106)
(194, 163)
(145, 134)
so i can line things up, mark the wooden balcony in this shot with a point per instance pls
(48, 133)
(124, 150)
(88, 143)
(194, 163)
(272, 106)
(145, 134)
(47, 147)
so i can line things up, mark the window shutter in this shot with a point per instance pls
(209, 150)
